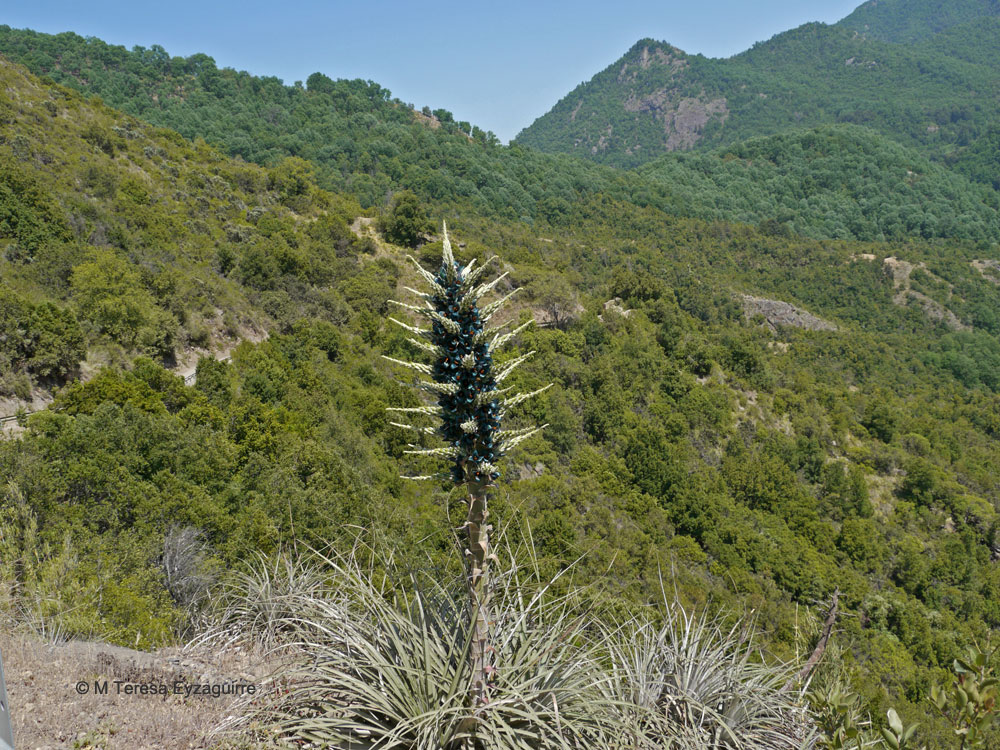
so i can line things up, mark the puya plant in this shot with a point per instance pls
(471, 405)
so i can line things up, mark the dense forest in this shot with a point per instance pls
(902, 22)
(359, 138)
(838, 182)
(776, 363)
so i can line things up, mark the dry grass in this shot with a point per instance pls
(47, 711)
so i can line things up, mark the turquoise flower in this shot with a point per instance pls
(471, 400)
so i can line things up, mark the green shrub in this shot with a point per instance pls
(405, 222)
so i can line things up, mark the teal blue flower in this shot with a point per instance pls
(471, 404)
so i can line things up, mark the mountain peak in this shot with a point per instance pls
(653, 50)
(657, 98)
(649, 53)
(650, 86)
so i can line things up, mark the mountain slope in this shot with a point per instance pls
(905, 21)
(360, 139)
(773, 417)
(840, 181)
(981, 160)
(121, 238)
(936, 95)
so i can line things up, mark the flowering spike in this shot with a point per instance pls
(437, 351)
(471, 277)
(432, 410)
(447, 389)
(509, 444)
(413, 329)
(411, 308)
(422, 430)
(470, 407)
(488, 333)
(430, 314)
(522, 397)
(446, 452)
(423, 295)
(427, 275)
(463, 379)
(484, 398)
(488, 311)
(447, 257)
(466, 303)
(487, 288)
(508, 434)
(452, 326)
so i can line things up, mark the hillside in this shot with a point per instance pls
(905, 21)
(363, 142)
(835, 181)
(937, 95)
(980, 160)
(769, 417)
(118, 238)
(359, 138)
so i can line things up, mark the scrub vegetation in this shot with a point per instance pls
(775, 373)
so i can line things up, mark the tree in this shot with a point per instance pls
(58, 341)
(405, 222)
(109, 294)
(319, 83)
(880, 421)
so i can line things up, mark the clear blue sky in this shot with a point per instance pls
(496, 65)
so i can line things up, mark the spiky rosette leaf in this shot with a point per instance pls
(693, 681)
(386, 669)
(463, 375)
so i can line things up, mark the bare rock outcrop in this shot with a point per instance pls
(990, 269)
(778, 313)
(900, 271)
(668, 57)
(616, 305)
(683, 119)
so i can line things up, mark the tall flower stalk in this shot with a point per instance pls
(471, 404)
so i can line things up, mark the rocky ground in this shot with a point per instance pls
(778, 313)
(53, 702)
